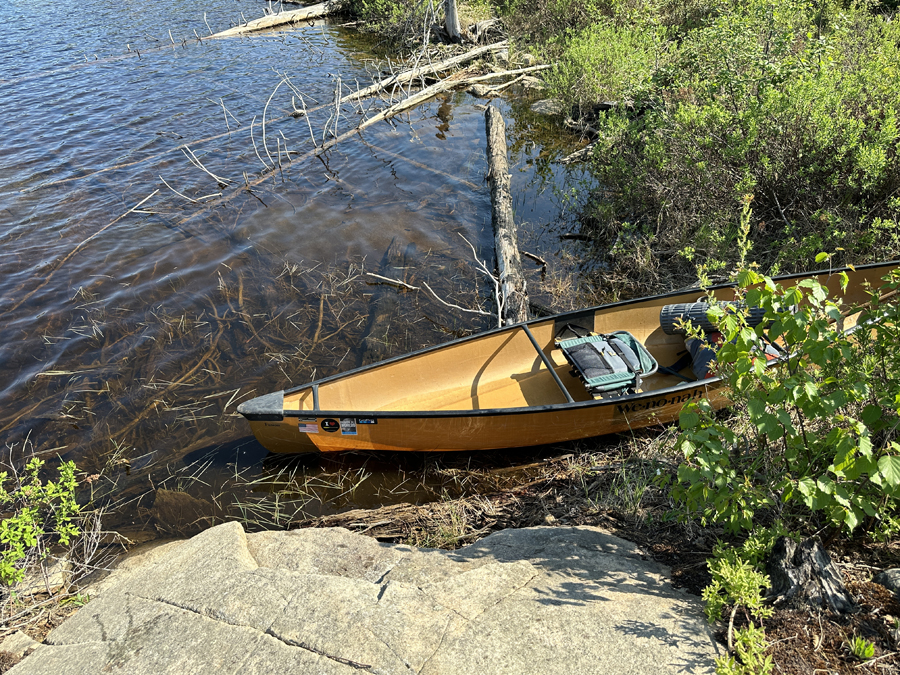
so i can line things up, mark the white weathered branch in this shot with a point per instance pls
(409, 75)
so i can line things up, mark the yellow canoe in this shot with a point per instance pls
(509, 387)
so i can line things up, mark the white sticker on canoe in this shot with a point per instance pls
(308, 427)
(348, 426)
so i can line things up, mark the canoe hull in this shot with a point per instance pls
(478, 430)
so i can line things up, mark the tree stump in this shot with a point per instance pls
(805, 576)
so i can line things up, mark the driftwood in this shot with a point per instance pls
(507, 73)
(430, 69)
(294, 16)
(514, 297)
(579, 155)
(804, 576)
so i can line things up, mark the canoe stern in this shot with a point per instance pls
(268, 408)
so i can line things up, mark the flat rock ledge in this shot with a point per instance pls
(326, 601)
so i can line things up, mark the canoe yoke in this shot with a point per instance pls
(610, 365)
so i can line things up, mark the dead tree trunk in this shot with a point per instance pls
(513, 295)
(451, 21)
(409, 75)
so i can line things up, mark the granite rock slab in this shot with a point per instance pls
(539, 600)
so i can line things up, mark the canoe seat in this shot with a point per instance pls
(609, 365)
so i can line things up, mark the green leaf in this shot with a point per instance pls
(757, 408)
(845, 280)
(806, 486)
(821, 256)
(812, 391)
(871, 414)
(851, 519)
(688, 419)
(889, 467)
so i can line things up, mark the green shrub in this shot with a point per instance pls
(815, 431)
(737, 580)
(37, 515)
(604, 62)
(750, 645)
(792, 102)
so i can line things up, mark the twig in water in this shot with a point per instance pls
(539, 260)
(265, 110)
(192, 158)
(207, 24)
(312, 136)
(395, 282)
(448, 304)
(278, 145)
(337, 106)
(193, 201)
(75, 250)
(484, 268)
(253, 141)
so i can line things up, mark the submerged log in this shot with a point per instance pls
(805, 576)
(513, 294)
(294, 16)
(385, 305)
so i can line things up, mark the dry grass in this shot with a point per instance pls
(584, 485)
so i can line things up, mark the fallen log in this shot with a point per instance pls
(507, 73)
(430, 69)
(513, 294)
(293, 16)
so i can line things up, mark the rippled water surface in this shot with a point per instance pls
(165, 255)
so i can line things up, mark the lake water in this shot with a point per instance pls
(164, 256)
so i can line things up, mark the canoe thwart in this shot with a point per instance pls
(549, 364)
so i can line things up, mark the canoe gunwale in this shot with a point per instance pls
(708, 383)
(578, 312)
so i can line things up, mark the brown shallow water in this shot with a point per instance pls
(133, 319)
